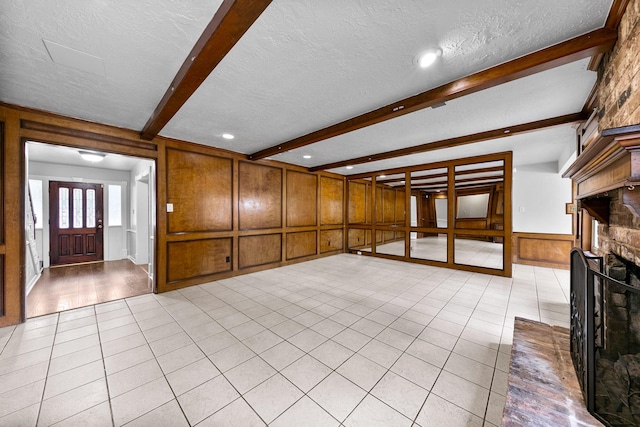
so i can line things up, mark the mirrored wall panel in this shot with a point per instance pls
(429, 211)
(451, 213)
(359, 239)
(391, 243)
(481, 251)
(390, 200)
(479, 207)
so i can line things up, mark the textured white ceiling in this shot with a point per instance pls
(304, 65)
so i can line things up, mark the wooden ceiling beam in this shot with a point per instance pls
(613, 21)
(231, 21)
(560, 54)
(457, 141)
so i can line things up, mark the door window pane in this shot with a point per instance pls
(91, 208)
(77, 208)
(63, 208)
(115, 205)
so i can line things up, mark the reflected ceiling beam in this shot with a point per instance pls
(569, 51)
(460, 140)
(231, 21)
(458, 186)
(440, 181)
(440, 175)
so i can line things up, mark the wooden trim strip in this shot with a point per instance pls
(560, 54)
(460, 140)
(231, 21)
(82, 134)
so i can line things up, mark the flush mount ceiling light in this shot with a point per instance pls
(428, 57)
(227, 136)
(349, 167)
(92, 157)
(306, 156)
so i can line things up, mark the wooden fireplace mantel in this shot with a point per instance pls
(611, 160)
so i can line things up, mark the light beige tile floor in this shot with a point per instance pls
(346, 340)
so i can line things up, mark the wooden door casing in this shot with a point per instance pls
(76, 242)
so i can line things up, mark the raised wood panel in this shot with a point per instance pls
(259, 250)
(302, 200)
(400, 210)
(356, 238)
(331, 240)
(388, 205)
(200, 188)
(389, 236)
(545, 250)
(260, 196)
(331, 201)
(357, 202)
(197, 258)
(475, 224)
(301, 244)
(379, 205)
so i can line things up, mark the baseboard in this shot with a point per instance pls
(33, 281)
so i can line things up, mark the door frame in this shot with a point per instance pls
(100, 219)
(153, 188)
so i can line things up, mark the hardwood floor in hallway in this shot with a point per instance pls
(73, 286)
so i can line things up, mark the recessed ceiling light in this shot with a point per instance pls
(428, 57)
(91, 156)
(227, 136)
(306, 156)
(383, 176)
(349, 167)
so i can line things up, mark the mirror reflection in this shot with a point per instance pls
(479, 199)
(481, 251)
(418, 213)
(428, 214)
(391, 243)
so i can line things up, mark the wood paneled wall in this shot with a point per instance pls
(230, 216)
(545, 250)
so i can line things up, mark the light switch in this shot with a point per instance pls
(169, 207)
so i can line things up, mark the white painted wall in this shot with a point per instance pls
(114, 237)
(140, 230)
(539, 197)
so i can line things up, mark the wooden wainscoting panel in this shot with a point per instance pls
(388, 205)
(474, 224)
(331, 201)
(331, 240)
(197, 258)
(260, 196)
(302, 199)
(301, 244)
(400, 209)
(259, 250)
(357, 202)
(544, 250)
(379, 205)
(200, 188)
(389, 236)
(356, 238)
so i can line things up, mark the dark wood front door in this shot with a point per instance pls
(75, 222)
